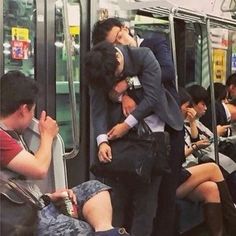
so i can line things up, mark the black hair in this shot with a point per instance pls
(198, 93)
(184, 96)
(101, 29)
(16, 90)
(231, 80)
(220, 92)
(100, 66)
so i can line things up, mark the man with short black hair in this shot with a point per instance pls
(18, 100)
(113, 31)
(231, 85)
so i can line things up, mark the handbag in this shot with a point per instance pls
(134, 156)
(19, 209)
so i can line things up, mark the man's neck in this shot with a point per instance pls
(7, 123)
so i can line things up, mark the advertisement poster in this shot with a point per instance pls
(19, 49)
(219, 65)
(21, 34)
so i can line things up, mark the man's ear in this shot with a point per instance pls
(23, 109)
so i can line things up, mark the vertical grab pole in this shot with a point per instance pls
(75, 123)
(173, 45)
(210, 65)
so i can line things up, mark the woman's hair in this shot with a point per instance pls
(198, 93)
(184, 96)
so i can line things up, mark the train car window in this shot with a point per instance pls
(223, 52)
(19, 36)
(63, 105)
(191, 53)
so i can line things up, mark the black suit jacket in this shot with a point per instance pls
(161, 49)
(153, 96)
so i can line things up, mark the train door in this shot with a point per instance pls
(39, 38)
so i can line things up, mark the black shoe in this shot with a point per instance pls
(112, 232)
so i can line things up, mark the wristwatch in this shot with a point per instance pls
(46, 199)
(130, 82)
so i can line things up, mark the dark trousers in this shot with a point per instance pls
(134, 204)
(165, 223)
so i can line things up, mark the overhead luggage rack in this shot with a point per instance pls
(222, 22)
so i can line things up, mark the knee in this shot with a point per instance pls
(216, 172)
(210, 192)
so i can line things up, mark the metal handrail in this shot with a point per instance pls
(173, 46)
(213, 110)
(228, 10)
(75, 124)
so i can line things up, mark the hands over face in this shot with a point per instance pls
(47, 126)
(191, 114)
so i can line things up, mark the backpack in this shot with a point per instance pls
(19, 209)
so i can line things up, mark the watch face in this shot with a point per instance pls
(46, 199)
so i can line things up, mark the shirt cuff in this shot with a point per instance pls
(131, 121)
(101, 139)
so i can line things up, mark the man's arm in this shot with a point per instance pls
(99, 114)
(100, 123)
(150, 78)
(36, 166)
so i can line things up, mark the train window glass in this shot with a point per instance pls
(19, 35)
(191, 53)
(63, 106)
(223, 53)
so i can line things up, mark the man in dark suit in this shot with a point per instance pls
(106, 64)
(112, 30)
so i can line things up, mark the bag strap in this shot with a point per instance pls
(22, 192)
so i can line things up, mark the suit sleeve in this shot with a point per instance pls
(150, 78)
(99, 113)
(161, 49)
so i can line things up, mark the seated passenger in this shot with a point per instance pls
(231, 87)
(205, 182)
(18, 98)
(196, 131)
(223, 115)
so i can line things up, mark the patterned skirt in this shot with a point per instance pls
(52, 222)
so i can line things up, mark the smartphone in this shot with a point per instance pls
(211, 140)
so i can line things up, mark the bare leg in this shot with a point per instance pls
(205, 192)
(98, 211)
(200, 174)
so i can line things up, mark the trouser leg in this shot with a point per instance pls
(165, 224)
(120, 199)
(144, 207)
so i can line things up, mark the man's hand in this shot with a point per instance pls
(128, 105)
(191, 115)
(118, 131)
(58, 195)
(104, 153)
(121, 87)
(47, 126)
(222, 129)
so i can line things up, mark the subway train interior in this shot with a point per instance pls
(48, 41)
